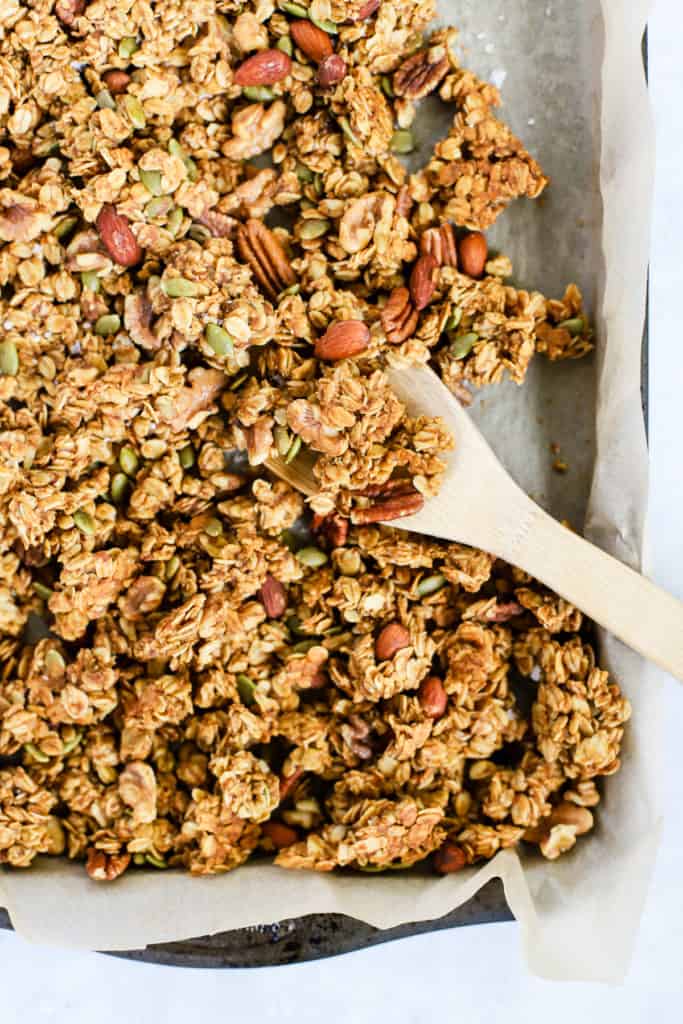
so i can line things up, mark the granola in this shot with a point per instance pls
(195, 665)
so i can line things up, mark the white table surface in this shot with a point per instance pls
(471, 972)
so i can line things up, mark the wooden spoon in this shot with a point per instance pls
(480, 505)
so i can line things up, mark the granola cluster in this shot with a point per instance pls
(194, 668)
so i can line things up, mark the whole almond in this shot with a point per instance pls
(265, 68)
(311, 40)
(279, 834)
(433, 697)
(449, 858)
(274, 597)
(116, 81)
(117, 237)
(423, 281)
(392, 639)
(342, 340)
(473, 252)
(565, 813)
(331, 70)
(367, 10)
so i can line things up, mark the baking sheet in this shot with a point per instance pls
(574, 89)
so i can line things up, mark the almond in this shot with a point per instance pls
(433, 697)
(117, 237)
(331, 70)
(274, 597)
(68, 10)
(311, 40)
(423, 281)
(473, 252)
(449, 858)
(392, 639)
(341, 340)
(280, 835)
(367, 10)
(116, 81)
(265, 68)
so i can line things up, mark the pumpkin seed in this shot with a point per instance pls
(9, 359)
(172, 567)
(70, 745)
(41, 590)
(238, 381)
(156, 862)
(325, 24)
(454, 319)
(312, 557)
(135, 111)
(246, 689)
(152, 181)
(199, 233)
(289, 539)
(575, 326)
(311, 229)
(293, 450)
(402, 141)
(128, 460)
(175, 149)
(285, 45)
(139, 859)
(110, 323)
(90, 281)
(293, 289)
(304, 173)
(105, 100)
(304, 646)
(64, 227)
(186, 456)
(84, 521)
(343, 123)
(258, 93)
(118, 487)
(218, 339)
(175, 219)
(295, 9)
(463, 345)
(128, 46)
(431, 585)
(283, 440)
(156, 207)
(387, 87)
(35, 753)
(214, 528)
(54, 663)
(179, 288)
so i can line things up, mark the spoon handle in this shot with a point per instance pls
(642, 615)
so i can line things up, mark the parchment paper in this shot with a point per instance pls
(574, 89)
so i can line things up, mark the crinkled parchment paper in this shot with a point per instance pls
(573, 86)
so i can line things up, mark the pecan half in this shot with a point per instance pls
(421, 73)
(441, 244)
(333, 528)
(259, 247)
(219, 224)
(394, 507)
(423, 281)
(267, 67)
(341, 340)
(311, 40)
(399, 317)
(105, 867)
(274, 597)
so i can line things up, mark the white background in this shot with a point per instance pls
(476, 973)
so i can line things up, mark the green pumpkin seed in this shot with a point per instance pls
(303, 173)
(453, 320)
(41, 590)
(289, 539)
(186, 457)
(246, 689)
(199, 233)
(285, 44)
(128, 46)
(343, 123)
(175, 219)
(110, 323)
(283, 440)
(258, 93)
(172, 567)
(54, 663)
(9, 359)
(90, 281)
(463, 345)
(135, 111)
(311, 229)
(156, 862)
(402, 141)
(312, 557)
(293, 450)
(387, 87)
(318, 183)
(325, 24)
(239, 381)
(156, 207)
(139, 859)
(175, 149)
(431, 585)
(293, 289)
(70, 745)
(218, 339)
(304, 646)
(152, 181)
(64, 227)
(105, 100)
(294, 9)
(575, 326)
(214, 528)
(35, 753)
(128, 460)
(84, 521)
(179, 288)
(118, 487)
